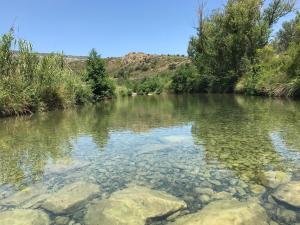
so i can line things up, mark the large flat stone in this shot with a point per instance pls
(289, 194)
(24, 217)
(227, 212)
(133, 206)
(71, 197)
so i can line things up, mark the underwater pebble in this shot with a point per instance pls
(204, 198)
(207, 191)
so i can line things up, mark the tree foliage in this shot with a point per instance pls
(276, 70)
(228, 40)
(101, 85)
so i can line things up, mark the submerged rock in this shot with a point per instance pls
(273, 179)
(177, 138)
(152, 148)
(222, 195)
(204, 198)
(206, 191)
(257, 189)
(289, 194)
(64, 165)
(70, 197)
(227, 212)
(133, 205)
(61, 220)
(24, 217)
(27, 197)
(287, 216)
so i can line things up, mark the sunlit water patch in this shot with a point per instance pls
(163, 157)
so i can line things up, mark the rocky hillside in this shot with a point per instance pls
(135, 65)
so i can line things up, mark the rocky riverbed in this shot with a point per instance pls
(81, 203)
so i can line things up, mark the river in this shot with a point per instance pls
(191, 147)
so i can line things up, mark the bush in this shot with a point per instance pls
(148, 85)
(172, 66)
(124, 91)
(142, 67)
(185, 79)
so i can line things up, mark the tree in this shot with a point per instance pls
(287, 34)
(277, 69)
(277, 9)
(101, 85)
(229, 39)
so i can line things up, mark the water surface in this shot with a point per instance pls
(171, 143)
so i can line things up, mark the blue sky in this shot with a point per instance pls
(113, 27)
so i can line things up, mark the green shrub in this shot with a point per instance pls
(123, 91)
(185, 79)
(148, 85)
(172, 66)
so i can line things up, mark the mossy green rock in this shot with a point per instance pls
(71, 197)
(133, 206)
(289, 194)
(273, 179)
(227, 212)
(24, 217)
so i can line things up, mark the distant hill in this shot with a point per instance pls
(134, 65)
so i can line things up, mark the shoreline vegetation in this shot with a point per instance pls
(234, 51)
(30, 82)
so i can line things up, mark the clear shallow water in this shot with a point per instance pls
(171, 143)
